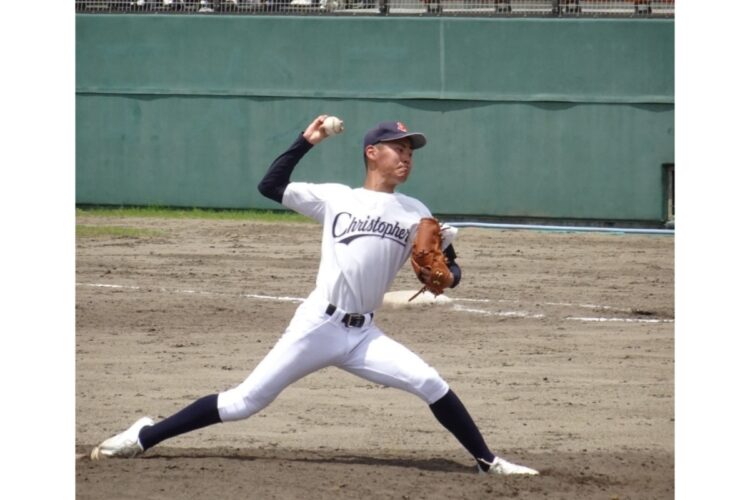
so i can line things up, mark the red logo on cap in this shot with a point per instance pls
(401, 127)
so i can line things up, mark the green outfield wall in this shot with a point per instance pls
(525, 118)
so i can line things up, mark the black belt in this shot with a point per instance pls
(350, 319)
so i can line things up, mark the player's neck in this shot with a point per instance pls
(378, 184)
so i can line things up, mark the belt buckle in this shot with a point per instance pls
(355, 320)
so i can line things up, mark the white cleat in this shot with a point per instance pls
(123, 445)
(500, 467)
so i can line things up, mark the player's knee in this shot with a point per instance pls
(235, 404)
(433, 387)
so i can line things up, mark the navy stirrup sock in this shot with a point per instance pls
(448, 410)
(201, 413)
(453, 415)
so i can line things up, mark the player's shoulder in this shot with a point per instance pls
(326, 188)
(413, 205)
(335, 187)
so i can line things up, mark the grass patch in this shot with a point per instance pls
(193, 213)
(116, 232)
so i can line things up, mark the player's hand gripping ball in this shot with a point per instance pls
(427, 253)
(333, 125)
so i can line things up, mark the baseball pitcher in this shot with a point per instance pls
(368, 234)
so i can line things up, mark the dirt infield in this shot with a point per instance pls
(561, 345)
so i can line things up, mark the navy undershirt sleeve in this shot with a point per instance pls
(450, 255)
(279, 173)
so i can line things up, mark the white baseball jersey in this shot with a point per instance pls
(367, 237)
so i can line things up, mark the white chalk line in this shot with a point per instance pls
(484, 301)
(272, 297)
(504, 314)
(187, 291)
(587, 306)
(622, 320)
(523, 314)
(455, 307)
(562, 304)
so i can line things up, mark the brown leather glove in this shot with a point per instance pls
(427, 254)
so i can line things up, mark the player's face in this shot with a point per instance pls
(394, 160)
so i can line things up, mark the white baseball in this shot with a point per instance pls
(333, 125)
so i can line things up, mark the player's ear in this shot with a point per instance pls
(371, 153)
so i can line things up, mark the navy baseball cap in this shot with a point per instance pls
(392, 131)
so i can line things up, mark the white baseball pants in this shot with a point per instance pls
(315, 340)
